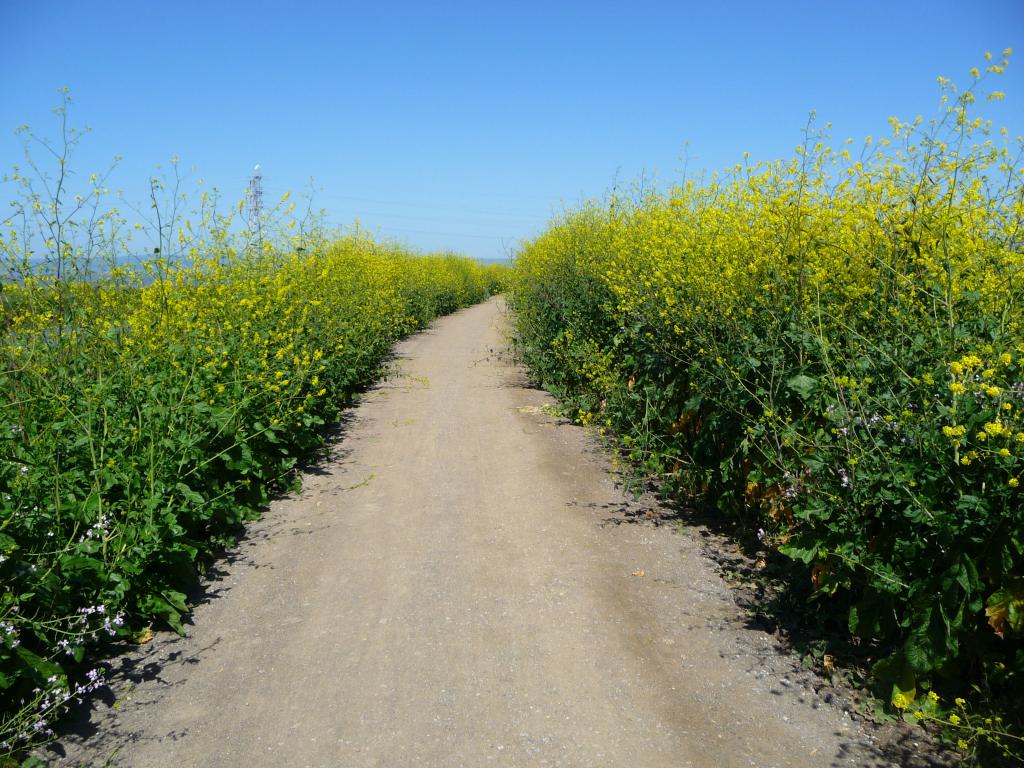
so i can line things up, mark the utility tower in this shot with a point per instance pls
(254, 196)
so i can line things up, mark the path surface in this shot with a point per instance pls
(452, 589)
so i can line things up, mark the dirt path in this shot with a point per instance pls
(452, 589)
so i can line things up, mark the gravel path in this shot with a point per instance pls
(458, 586)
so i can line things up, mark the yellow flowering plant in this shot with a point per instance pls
(827, 350)
(149, 406)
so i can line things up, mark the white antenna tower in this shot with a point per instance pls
(255, 200)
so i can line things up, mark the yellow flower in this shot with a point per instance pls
(954, 719)
(970, 361)
(957, 388)
(1013, 482)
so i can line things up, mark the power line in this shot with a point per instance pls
(440, 206)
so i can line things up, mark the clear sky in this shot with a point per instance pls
(464, 126)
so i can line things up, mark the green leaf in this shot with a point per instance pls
(158, 606)
(177, 599)
(803, 554)
(81, 564)
(803, 385)
(189, 494)
(917, 652)
(43, 668)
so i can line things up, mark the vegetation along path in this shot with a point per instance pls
(453, 588)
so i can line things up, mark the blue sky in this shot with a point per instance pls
(464, 126)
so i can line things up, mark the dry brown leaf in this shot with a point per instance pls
(143, 636)
(818, 574)
(639, 573)
(997, 615)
